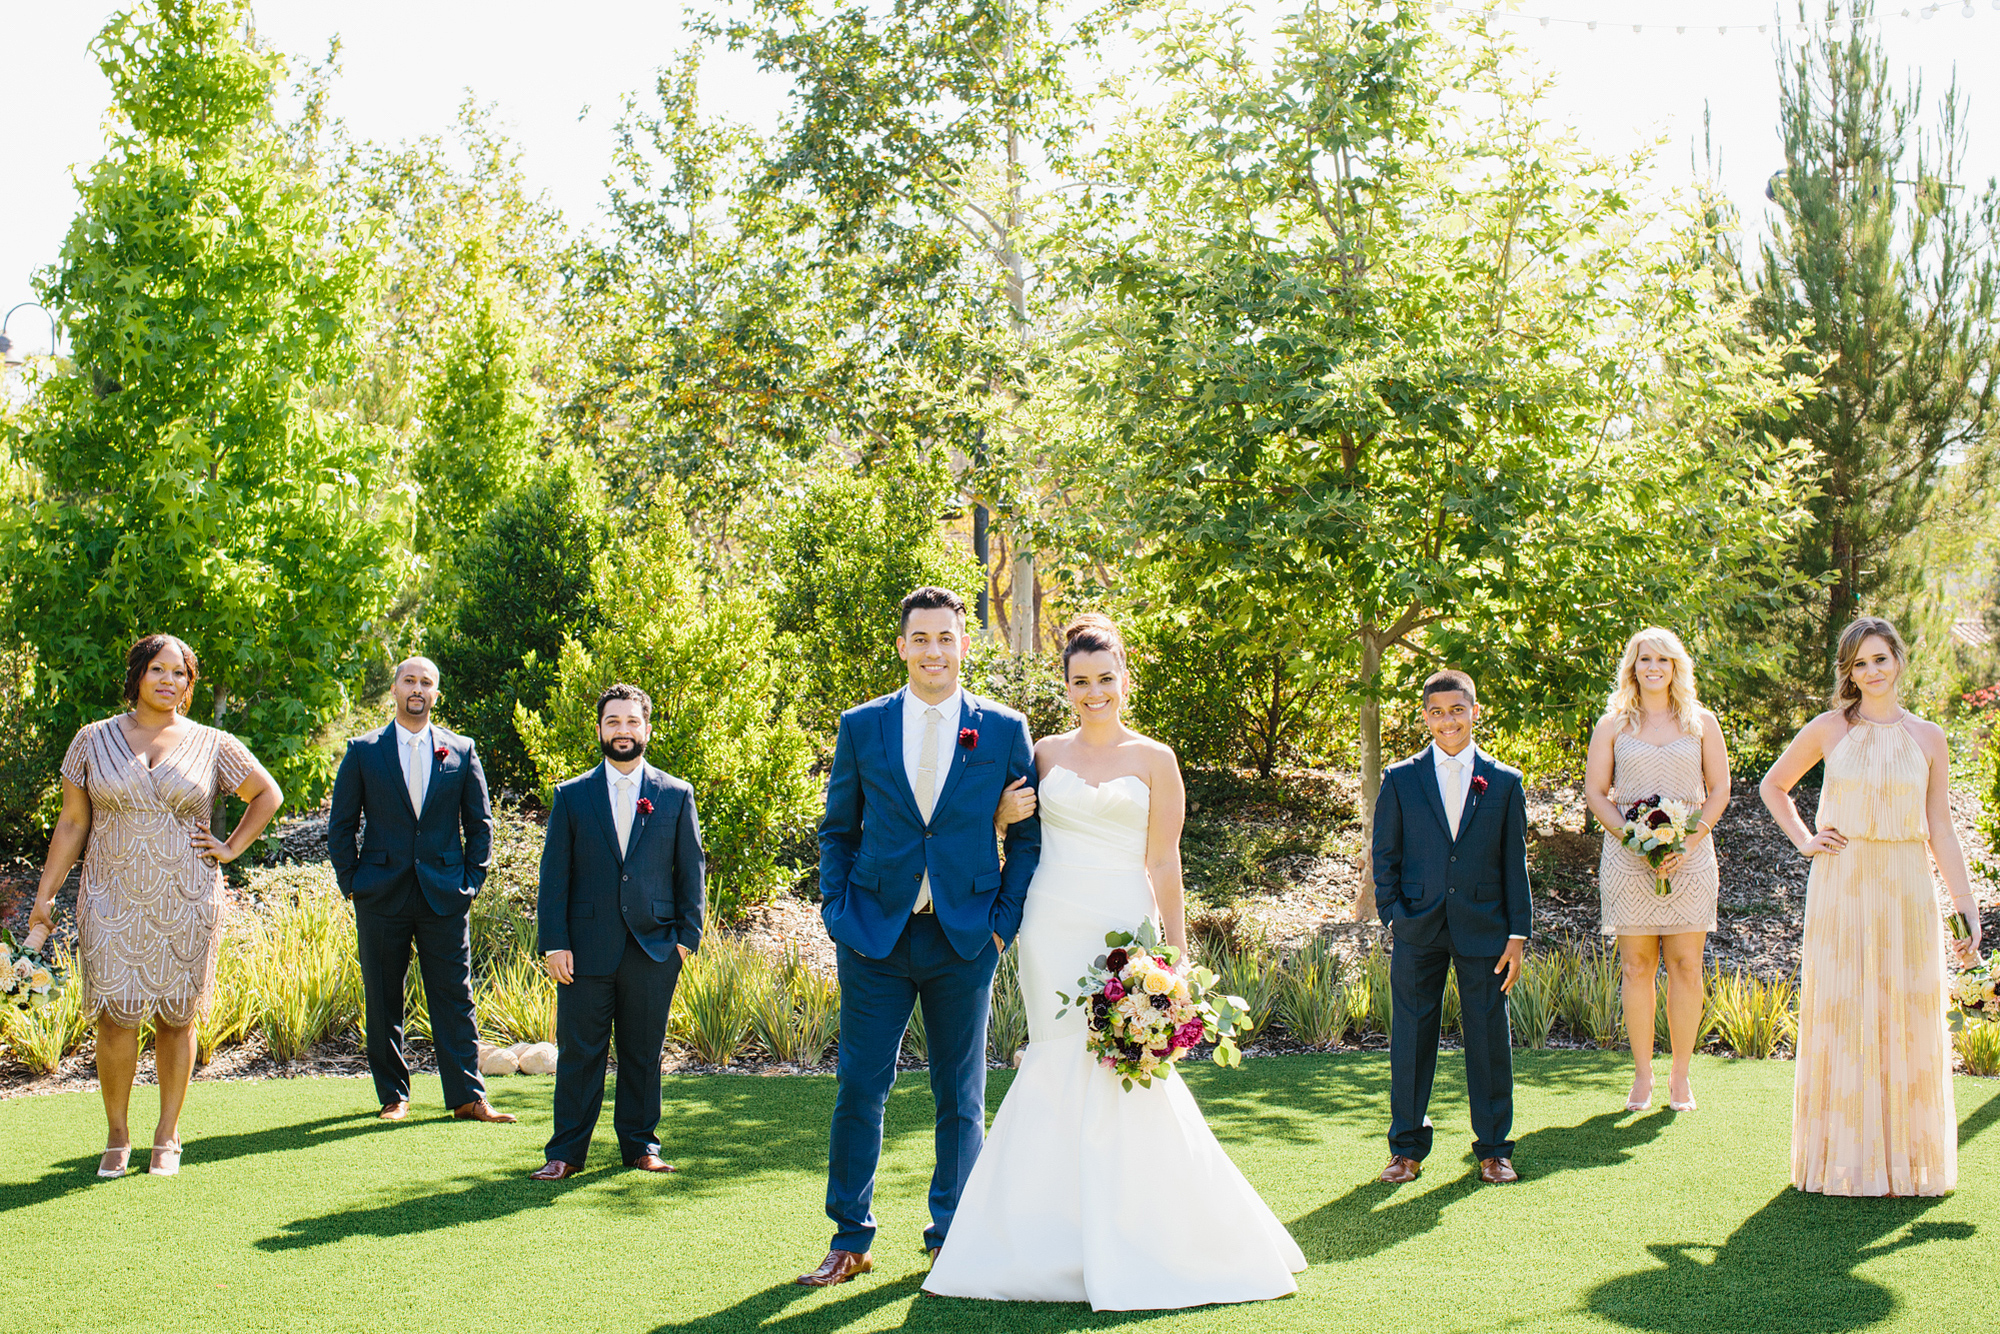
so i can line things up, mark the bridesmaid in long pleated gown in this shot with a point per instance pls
(1872, 1110)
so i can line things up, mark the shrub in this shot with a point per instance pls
(511, 596)
(916, 1043)
(516, 1000)
(796, 1013)
(1533, 1003)
(301, 961)
(233, 1012)
(29, 789)
(1027, 682)
(716, 992)
(1312, 998)
(1251, 972)
(1979, 1045)
(842, 558)
(1370, 1004)
(1594, 1001)
(711, 664)
(1007, 1028)
(1752, 1016)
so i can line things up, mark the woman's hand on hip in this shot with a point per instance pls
(1826, 840)
(211, 849)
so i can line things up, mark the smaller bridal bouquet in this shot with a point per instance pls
(28, 978)
(1975, 994)
(1146, 1009)
(1656, 829)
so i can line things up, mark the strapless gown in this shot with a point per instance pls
(1085, 1192)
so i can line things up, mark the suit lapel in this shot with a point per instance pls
(1481, 768)
(892, 750)
(969, 715)
(654, 790)
(597, 798)
(437, 767)
(1427, 774)
(392, 757)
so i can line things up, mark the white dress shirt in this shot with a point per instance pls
(625, 808)
(415, 749)
(913, 759)
(1464, 760)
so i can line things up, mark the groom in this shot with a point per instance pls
(919, 907)
(1451, 883)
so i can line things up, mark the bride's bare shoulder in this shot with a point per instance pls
(1159, 756)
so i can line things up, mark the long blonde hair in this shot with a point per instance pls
(1625, 704)
(1846, 694)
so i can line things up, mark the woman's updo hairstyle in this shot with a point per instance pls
(1092, 632)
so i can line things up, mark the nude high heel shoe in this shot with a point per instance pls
(166, 1160)
(115, 1162)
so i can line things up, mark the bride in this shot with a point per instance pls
(1066, 1201)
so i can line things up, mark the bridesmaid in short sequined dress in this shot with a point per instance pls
(138, 790)
(1872, 1109)
(1655, 740)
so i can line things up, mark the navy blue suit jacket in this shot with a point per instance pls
(1469, 893)
(444, 849)
(875, 848)
(593, 892)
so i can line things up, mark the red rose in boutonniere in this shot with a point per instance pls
(645, 806)
(440, 752)
(968, 737)
(1478, 783)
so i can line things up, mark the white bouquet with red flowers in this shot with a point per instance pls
(1656, 829)
(1146, 1009)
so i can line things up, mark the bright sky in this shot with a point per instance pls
(407, 64)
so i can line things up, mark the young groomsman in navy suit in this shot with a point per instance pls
(622, 886)
(412, 875)
(1451, 884)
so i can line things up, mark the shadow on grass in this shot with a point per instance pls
(846, 1306)
(78, 1173)
(1357, 1225)
(1790, 1266)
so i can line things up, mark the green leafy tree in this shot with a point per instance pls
(1401, 372)
(480, 425)
(841, 559)
(522, 587)
(1883, 264)
(710, 662)
(187, 479)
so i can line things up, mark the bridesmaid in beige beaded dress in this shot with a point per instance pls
(1872, 1110)
(1655, 739)
(138, 790)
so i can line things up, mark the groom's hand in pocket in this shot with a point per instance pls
(1511, 963)
(561, 966)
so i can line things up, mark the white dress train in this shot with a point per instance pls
(1085, 1192)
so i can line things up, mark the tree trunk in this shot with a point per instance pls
(219, 812)
(1023, 602)
(1371, 769)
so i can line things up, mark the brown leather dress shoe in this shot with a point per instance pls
(651, 1162)
(1497, 1171)
(838, 1267)
(1400, 1170)
(555, 1169)
(481, 1110)
(395, 1111)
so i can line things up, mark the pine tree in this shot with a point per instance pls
(1881, 263)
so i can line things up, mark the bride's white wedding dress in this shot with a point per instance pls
(1085, 1192)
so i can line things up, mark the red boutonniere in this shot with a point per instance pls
(1478, 783)
(645, 806)
(968, 737)
(440, 752)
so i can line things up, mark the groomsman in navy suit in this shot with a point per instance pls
(1451, 884)
(919, 906)
(622, 888)
(412, 875)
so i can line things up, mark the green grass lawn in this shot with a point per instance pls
(296, 1209)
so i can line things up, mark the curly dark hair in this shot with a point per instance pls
(141, 656)
(623, 691)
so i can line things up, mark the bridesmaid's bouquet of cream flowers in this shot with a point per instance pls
(1975, 994)
(28, 978)
(1656, 829)
(1146, 1009)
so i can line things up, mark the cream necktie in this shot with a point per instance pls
(1454, 786)
(927, 789)
(416, 770)
(622, 809)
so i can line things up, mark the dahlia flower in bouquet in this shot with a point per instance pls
(1656, 829)
(1146, 1009)
(1975, 993)
(28, 978)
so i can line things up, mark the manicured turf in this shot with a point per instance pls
(297, 1210)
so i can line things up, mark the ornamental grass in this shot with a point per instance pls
(1312, 996)
(516, 1001)
(1007, 1027)
(1978, 1045)
(1752, 1016)
(39, 1039)
(714, 1000)
(1594, 1000)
